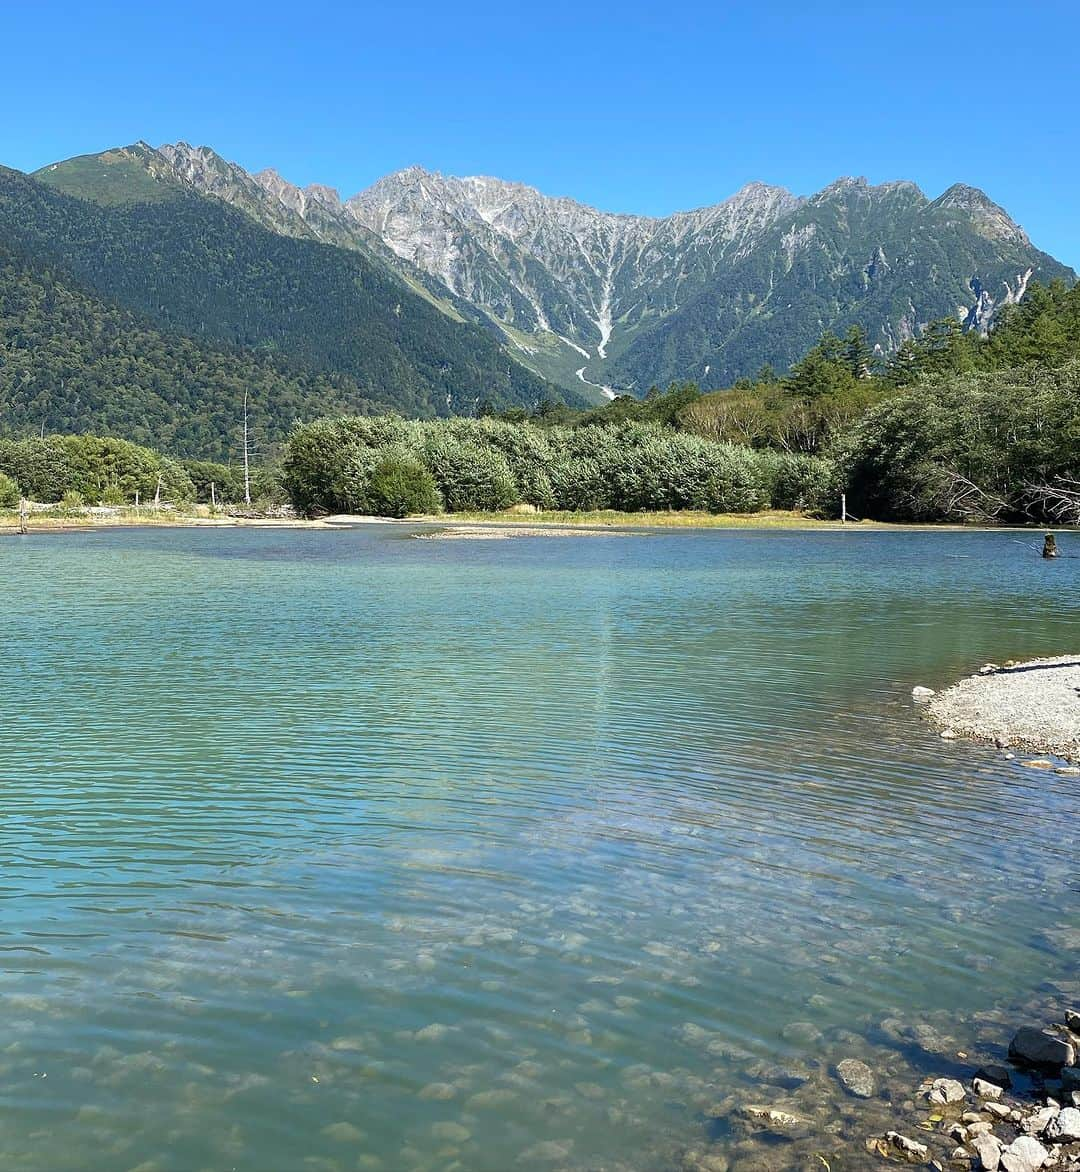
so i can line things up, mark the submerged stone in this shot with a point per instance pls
(856, 1078)
(701, 1160)
(776, 1119)
(803, 1032)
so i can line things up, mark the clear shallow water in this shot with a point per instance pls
(349, 851)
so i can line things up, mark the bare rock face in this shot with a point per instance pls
(554, 265)
(579, 291)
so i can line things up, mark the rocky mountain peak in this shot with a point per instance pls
(987, 217)
(585, 296)
(321, 193)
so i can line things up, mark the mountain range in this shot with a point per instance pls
(431, 295)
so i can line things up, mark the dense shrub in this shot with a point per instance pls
(9, 492)
(796, 481)
(487, 465)
(994, 446)
(93, 466)
(399, 485)
(267, 491)
(41, 468)
(227, 481)
(470, 476)
(578, 484)
(327, 463)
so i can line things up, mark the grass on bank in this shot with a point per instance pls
(60, 517)
(612, 518)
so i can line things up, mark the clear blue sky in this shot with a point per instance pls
(631, 107)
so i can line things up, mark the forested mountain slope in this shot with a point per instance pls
(192, 265)
(590, 297)
(71, 363)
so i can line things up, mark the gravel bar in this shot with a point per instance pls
(1033, 705)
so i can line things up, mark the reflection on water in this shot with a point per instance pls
(348, 851)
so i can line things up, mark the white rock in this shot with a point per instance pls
(986, 1090)
(908, 1146)
(1065, 1127)
(946, 1090)
(1037, 1121)
(988, 1148)
(921, 693)
(1024, 1155)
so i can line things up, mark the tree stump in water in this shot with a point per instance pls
(1050, 549)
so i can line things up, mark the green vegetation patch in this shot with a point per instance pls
(112, 178)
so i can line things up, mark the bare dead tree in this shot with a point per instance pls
(950, 493)
(247, 466)
(1057, 501)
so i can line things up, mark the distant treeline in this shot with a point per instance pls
(953, 427)
(393, 466)
(90, 469)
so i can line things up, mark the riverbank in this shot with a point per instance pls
(72, 520)
(508, 523)
(548, 522)
(612, 519)
(1033, 705)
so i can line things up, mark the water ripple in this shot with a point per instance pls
(337, 850)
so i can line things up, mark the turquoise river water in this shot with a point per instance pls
(345, 850)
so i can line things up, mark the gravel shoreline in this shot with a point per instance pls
(1033, 705)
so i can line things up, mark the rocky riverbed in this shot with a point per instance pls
(932, 1092)
(1033, 706)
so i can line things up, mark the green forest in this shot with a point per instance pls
(952, 427)
(70, 362)
(181, 297)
